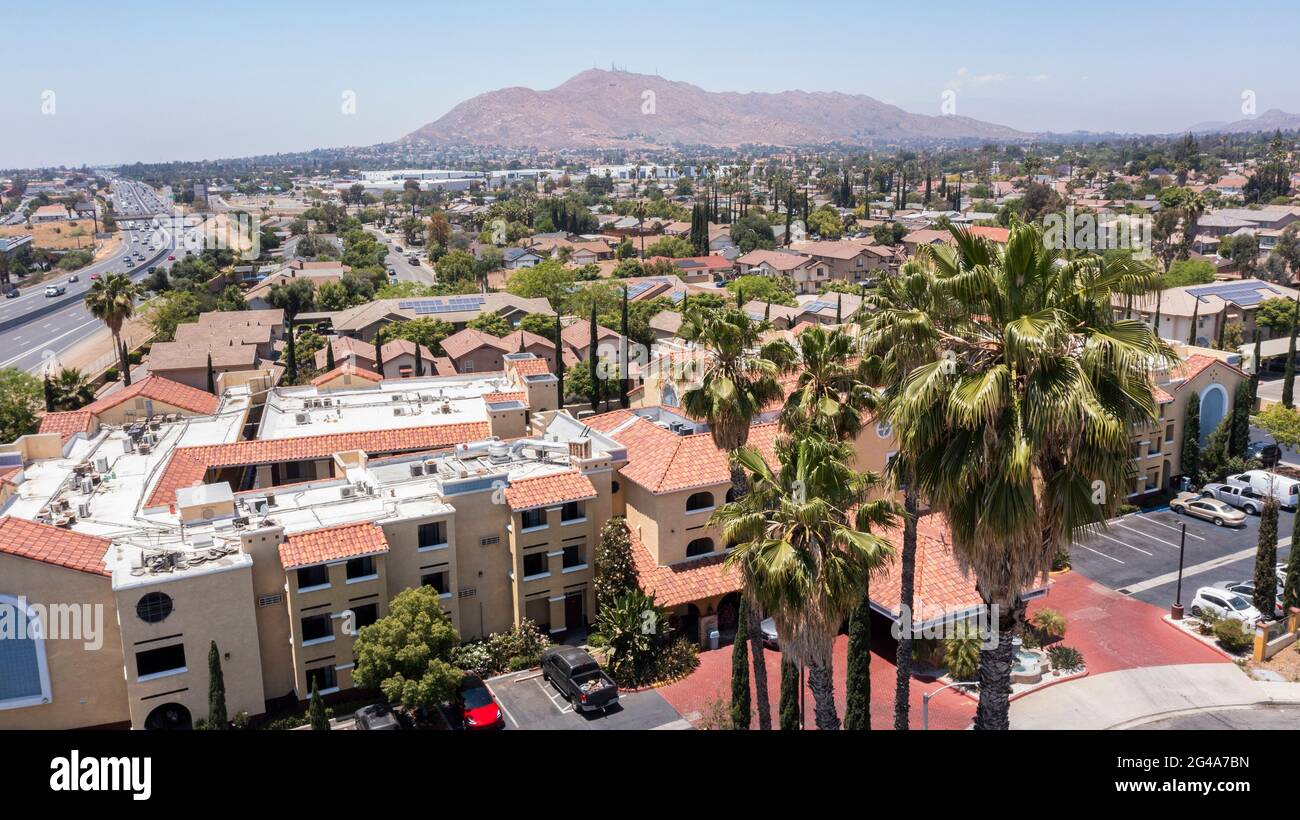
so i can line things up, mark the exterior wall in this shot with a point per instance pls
(663, 524)
(543, 594)
(141, 408)
(270, 596)
(196, 377)
(1217, 373)
(209, 606)
(341, 595)
(86, 684)
(485, 359)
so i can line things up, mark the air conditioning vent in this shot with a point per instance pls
(399, 411)
(489, 540)
(347, 491)
(467, 592)
(269, 600)
(417, 468)
(302, 418)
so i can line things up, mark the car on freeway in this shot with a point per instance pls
(55, 290)
(377, 717)
(1246, 589)
(1224, 604)
(171, 257)
(12, 293)
(578, 678)
(1208, 509)
(94, 276)
(1243, 498)
(478, 709)
(73, 278)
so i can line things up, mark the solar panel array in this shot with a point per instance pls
(1245, 294)
(813, 307)
(451, 304)
(638, 289)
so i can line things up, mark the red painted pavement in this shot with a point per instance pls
(1114, 631)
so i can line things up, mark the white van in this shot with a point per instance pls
(1285, 490)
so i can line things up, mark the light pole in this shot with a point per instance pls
(925, 699)
(1176, 611)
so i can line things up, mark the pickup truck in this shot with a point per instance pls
(578, 677)
(1243, 498)
(55, 290)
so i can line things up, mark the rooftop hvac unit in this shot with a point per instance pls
(83, 510)
(101, 464)
(347, 491)
(87, 486)
(257, 506)
(499, 452)
(399, 411)
(302, 418)
(202, 541)
(417, 468)
(446, 407)
(397, 397)
(128, 445)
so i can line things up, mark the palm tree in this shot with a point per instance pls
(1018, 431)
(802, 539)
(112, 301)
(739, 378)
(897, 335)
(71, 390)
(832, 389)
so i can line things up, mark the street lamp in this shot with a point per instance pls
(1176, 611)
(925, 699)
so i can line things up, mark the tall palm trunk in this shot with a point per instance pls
(753, 626)
(994, 710)
(903, 657)
(821, 681)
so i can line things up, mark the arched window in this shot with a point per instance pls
(699, 501)
(154, 607)
(700, 546)
(26, 677)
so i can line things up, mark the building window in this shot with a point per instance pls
(1169, 433)
(323, 679)
(534, 518)
(575, 556)
(536, 564)
(884, 429)
(404, 372)
(365, 615)
(699, 501)
(24, 675)
(700, 546)
(154, 607)
(440, 581)
(317, 628)
(164, 660)
(317, 576)
(363, 567)
(433, 534)
(573, 511)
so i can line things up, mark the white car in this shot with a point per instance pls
(1225, 604)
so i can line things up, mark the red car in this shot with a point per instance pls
(478, 709)
(94, 276)
(171, 258)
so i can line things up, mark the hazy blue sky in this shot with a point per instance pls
(152, 81)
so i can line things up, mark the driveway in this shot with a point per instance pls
(531, 703)
(1137, 554)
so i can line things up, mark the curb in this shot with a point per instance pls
(1165, 619)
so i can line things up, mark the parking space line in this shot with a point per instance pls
(502, 705)
(1102, 554)
(1190, 534)
(1122, 544)
(1147, 535)
(552, 695)
(1197, 569)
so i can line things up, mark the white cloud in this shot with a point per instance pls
(965, 79)
(1039, 78)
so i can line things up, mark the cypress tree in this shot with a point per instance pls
(212, 376)
(1288, 380)
(593, 362)
(1254, 376)
(379, 357)
(1291, 589)
(559, 361)
(419, 360)
(291, 355)
(49, 393)
(623, 358)
(316, 711)
(857, 707)
(741, 711)
(1191, 458)
(1265, 597)
(126, 366)
(1240, 421)
(329, 356)
(216, 690)
(789, 697)
(1196, 310)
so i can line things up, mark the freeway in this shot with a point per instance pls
(34, 326)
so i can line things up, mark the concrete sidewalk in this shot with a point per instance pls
(1130, 697)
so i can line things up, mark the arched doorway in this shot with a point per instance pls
(169, 717)
(1214, 406)
(728, 608)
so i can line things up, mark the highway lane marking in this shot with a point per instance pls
(51, 341)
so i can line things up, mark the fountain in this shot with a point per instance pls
(1028, 665)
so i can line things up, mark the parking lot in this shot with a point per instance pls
(530, 703)
(1137, 554)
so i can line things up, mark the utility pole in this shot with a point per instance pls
(1176, 611)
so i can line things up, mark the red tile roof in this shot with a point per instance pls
(664, 462)
(190, 464)
(67, 424)
(549, 490)
(345, 369)
(530, 367)
(7, 476)
(684, 582)
(1161, 396)
(160, 390)
(1192, 366)
(516, 395)
(53, 545)
(332, 544)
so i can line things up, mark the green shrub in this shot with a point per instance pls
(1207, 623)
(1233, 635)
(111, 375)
(474, 657)
(1065, 658)
(962, 652)
(242, 720)
(680, 659)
